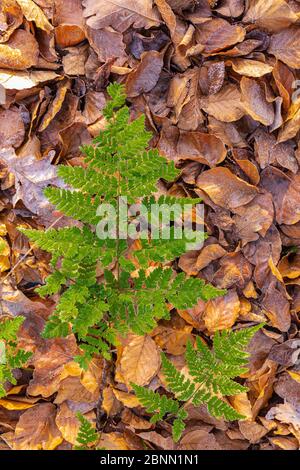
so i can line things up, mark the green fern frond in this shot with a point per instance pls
(87, 436)
(206, 383)
(11, 357)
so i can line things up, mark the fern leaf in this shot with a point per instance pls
(87, 436)
(180, 386)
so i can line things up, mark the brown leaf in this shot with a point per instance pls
(254, 218)
(120, 15)
(198, 440)
(129, 400)
(56, 105)
(285, 413)
(67, 423)
(277, 308)
(290, 128)
(231, 8)
(249, 67)
(165, 443)
(252, 431)
(18, 80)
(288, 389)
(255, 102)
(11, 18)
(167, 15)
(269, 152)
(218, 34)
(134, 421)
(53, 362)
(75, 59)
(69, 23)
(203, 148)
(146, 75)
(225, 105)
(226, 189)
(285, 46)
(31, 177)
(286, 354)
(211, 78)
(107, 44)
(12, 129)
(221, 313)
(112, 441)
(36, 430)
(234, 270)
(273, 15)
(208, 254)
(20, 52)
(285, 192)
(140, 360)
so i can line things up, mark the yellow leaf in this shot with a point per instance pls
(15, 405)
(140, 360)
(127, 399)
(33, 12)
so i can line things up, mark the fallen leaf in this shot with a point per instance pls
(146, 75)
(69, 23)
(203, 148)
(12, 128)
(53, 362)
(33, 12)
(140, 360)
(120, 15)
(225, 105)
(285, 46)
(36, 430)
(56, 105)
(208, 254)
(198, 440)
(19, 52)
(252, 431)
(129, 400)
(31, 177)
(249, 67)
(273, 15)
(221, 313)
(255, 102)
(218, 34)
(226, 189)
(112, 441)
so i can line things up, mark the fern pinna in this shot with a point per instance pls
(117, 165)
(87, 436)
(209, 379)
(11, 357)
